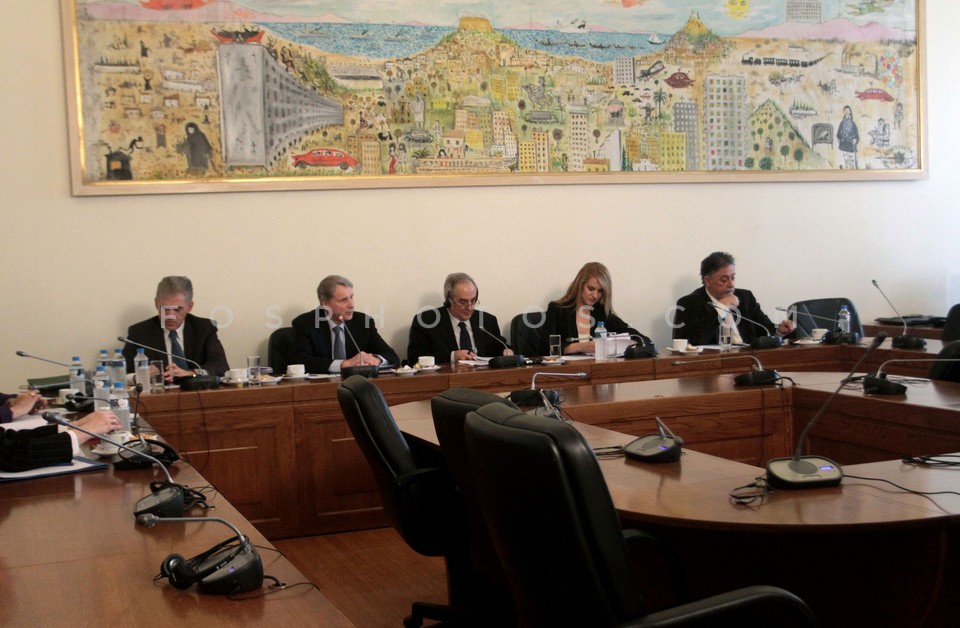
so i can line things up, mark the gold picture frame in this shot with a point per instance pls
(177, 96)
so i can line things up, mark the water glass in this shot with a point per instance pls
(726, 337)
(556, 347)
(253, 370)
(156, 376)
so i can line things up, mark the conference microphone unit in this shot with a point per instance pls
(166, 498)
(533, 396)
(644, 348)
(834, 337)
(903, 341)
(664, 446)
(363, 370)
(759, 376)
(770, 341)
(503, 361)
(57, 385)
(814, 471)
(201, 380)
(878, 384)
(229, 567)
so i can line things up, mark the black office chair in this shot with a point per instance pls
(556, 531)
(947, 371)
(525, 336)
(951, 328)
(450, 410)
(279, 348)
(418, 497)
(822, 313)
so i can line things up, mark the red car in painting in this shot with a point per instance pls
(325, 158)
(875, 94)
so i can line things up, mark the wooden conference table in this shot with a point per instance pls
(71, 554)
(284, 457)
(863, 553)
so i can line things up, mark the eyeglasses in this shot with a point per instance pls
(466, 302)
(724, 278)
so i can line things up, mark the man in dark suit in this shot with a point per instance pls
(698, 315)
(453, 332)
(321, 344)
(191, 339)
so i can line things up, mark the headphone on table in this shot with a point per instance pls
(183, 573)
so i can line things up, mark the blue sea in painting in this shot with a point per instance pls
(393, 41)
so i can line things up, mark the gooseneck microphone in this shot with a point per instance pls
(363, 370)
(503, 361)
(878, 384)
(533, 395)
(814, 471)
(231, 566)
(664, 446)
(60, 384)
(759, 376)
(164, 501)
(770, 341)
(903, 341)
(201, 379)
(24, 354)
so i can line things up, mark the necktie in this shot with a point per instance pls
(464, 337)
(177, 350)
(339, 353)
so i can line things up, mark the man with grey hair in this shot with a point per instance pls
(457, 330)
(183, 341)
(321, 343)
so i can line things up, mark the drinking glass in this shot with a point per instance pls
(556, 348)
(253, 370)
(156, 376)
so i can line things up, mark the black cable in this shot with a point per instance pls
(933, 461)
(613, 451)
(903, 488)
(758, 490)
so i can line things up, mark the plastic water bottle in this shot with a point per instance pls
(121, 405)
(106, 362)
(141, 366)
(101, 388)
(600, 341)
(843, 317)
(119, 366)
(77, 376)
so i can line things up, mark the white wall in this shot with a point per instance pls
(255, 255)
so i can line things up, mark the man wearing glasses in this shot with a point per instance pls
(457, 330)
(698, 315)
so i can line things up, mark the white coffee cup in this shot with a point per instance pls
(426, 361)
(818, 333)
(680, 344)
(238, 375)
(296, 370)
(64, 395)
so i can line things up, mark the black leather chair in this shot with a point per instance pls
(279, 348)
(947, 371)
(450, 410)
(525, 336)
(556, 531)
(821, 313)
(418, 495)
(951, 327)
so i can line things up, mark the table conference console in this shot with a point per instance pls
(284, 457)
(71, 554)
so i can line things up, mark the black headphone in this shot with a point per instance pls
(184, 573)
(160, 450)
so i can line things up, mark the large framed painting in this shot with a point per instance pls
(227, 95)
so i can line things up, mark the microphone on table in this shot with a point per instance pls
(903, 341)
(533, 395)
(770, 341)
(644, 348)
(24, 354)
(166, 499)
(225, 568)
(835, 337)
(60, 384)
(878, 384)
(551, 410)
(503, 361)
(813, 471)
(759, 376)
(664, 446)
(202, 380)
(363, 370)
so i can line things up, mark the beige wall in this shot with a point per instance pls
(77, 271)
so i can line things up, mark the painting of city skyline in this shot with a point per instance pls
(227, 95)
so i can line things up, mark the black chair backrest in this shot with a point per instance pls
(947, 371)
(418, 500)
(279, 348)
(450, 410)
(951, 328)
(551, 519)
(810, 314)
(525, 332)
